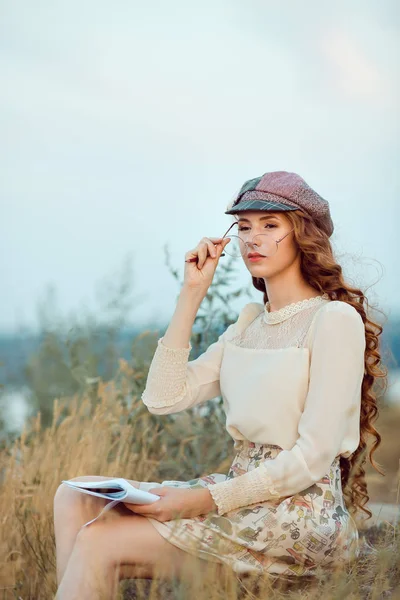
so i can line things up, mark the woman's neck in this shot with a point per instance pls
(282, 295)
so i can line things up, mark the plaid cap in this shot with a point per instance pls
(279, 191)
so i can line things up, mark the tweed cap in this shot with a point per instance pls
(279, 191)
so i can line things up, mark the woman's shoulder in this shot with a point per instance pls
(249, 312)
(337, 314)
(339, 306)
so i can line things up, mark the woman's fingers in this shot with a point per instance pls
(212, 249)
(202, 254)
(208, 246)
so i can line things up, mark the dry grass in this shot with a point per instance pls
(100, 434)
(385, 489)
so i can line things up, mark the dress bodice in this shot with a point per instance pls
(263, 385)
(284, 328)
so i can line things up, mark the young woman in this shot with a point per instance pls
(295, 373)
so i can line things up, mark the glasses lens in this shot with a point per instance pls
(262, 243)
(236, 247)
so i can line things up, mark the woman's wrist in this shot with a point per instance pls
(207, 501)
(193, 294)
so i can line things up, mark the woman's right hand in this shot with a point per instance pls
(199, 276)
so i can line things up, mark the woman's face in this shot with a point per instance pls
(276, 224)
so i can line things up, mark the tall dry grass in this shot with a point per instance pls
(108, 431)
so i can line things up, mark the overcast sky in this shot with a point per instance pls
(128, 125)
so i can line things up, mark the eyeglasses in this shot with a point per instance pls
(265, 243)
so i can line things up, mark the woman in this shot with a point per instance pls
(295, 373)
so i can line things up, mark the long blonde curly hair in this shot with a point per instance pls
(320, 269)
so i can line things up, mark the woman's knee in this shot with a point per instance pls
(65, 497)
(66, 493)
(62, 498)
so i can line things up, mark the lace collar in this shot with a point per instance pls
(289, 310)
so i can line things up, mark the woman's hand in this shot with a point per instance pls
(176, 503)
(199, 275)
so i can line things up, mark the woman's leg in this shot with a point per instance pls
(71, 510)
(126, 547)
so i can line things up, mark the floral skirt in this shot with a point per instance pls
(290, 535)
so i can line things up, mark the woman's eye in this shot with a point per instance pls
(247, 228)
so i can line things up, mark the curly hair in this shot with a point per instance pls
(320, 269)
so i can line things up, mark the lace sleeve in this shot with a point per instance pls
(254, 486)
(174, 383)
(166, 380)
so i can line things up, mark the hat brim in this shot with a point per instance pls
(259, 205)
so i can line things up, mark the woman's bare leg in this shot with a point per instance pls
(71, 510)
(107, 551)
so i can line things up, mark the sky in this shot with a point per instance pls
(126, 126)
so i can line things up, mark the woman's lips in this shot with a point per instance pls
(256, 258)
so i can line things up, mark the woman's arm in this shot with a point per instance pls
(174, 383)
(179, 331)
(334, 397)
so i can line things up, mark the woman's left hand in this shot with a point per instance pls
(175, 503)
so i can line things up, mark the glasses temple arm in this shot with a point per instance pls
(277, 241)
(230, 227)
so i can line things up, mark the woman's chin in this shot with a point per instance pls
(258, 271)
(257, 266)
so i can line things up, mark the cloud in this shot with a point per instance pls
(354, 75)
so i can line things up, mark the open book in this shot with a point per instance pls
(116, 490)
